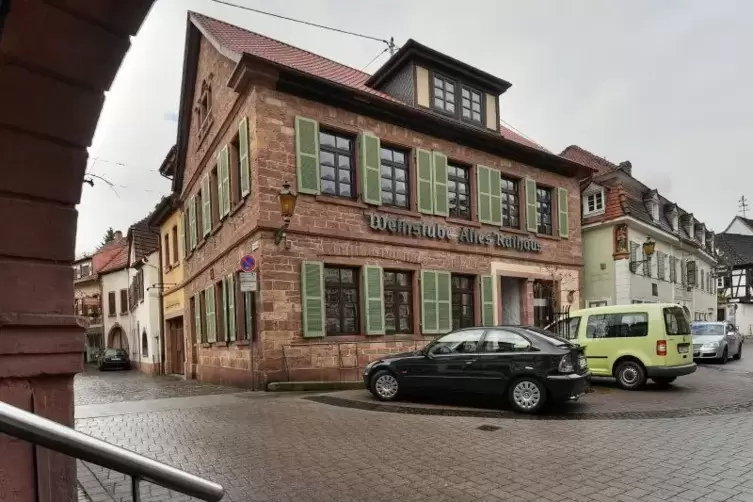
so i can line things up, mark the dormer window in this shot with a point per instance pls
(654, 210)
(471, 105)
(593, 203)
(444, 94)
(675, 221)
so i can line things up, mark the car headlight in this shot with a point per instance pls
(370, 365)
(711, 345)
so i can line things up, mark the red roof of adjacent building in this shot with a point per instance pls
(241, 41)
(586, 158)
(112, 257)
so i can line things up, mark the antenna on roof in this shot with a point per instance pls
(743, 205)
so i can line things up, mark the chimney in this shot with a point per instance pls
(627, 167)
(118, 235)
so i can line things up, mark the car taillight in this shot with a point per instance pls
(566, 365)
(661, 348)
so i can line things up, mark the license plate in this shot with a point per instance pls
(683, 349)
(115, 359)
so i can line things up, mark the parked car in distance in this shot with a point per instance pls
(716, 340)
(529, 365)
(632, 342)
(114, 359)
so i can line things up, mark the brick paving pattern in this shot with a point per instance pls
(291, 448)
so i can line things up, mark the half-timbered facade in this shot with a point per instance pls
(735, 278)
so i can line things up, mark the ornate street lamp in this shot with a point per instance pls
(648, 251)
(287, 208)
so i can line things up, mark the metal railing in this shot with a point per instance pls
(59, 438)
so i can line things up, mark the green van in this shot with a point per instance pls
(633, 342)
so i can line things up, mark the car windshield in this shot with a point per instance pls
(706, 329)
(551, 337)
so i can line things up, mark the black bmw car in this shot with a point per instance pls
(530, 365)
(114, 359)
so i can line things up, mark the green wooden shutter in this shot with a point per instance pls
(425, 177)
(444, 302)
(223, 181)
(562, 205)
(369, 169)
(441, 202)
(244, 154)
(429, 321)
(197, 317)
(487, 300)
(307, 155)
(532, 222)
(225, 323)
(192, 218)
(231, 335)
(206, 203)
(483, 187)
(312, 292)
(495, 197)
(211, 324)
(182, 233)
(373, 299)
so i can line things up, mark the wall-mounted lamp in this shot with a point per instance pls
(570, 296)
(287, 208)
(648, 251)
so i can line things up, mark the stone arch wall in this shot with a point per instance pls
(56, 60)
(117, 338)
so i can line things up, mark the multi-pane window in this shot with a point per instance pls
(394, 174)
(462, 301)
(398, 302)
(470, 104)
(510, 200)
(458, 190)
(444, 94)
(86, 269)
(544, 210)
(341, 300)
(594, 203)
(336, 162)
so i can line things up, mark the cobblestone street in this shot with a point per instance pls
(275, 447)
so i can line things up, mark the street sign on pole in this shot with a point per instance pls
(248, 282)
(248, 263)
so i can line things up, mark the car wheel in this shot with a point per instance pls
(663, 381)
(739, 354)
(527, 395)
(725, 356)
(630, 375)
(384, 386)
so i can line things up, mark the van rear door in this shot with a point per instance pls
(679, 345)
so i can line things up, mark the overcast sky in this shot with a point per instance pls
(664, 84)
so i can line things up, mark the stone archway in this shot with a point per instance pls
(117, 339)
(57, 57)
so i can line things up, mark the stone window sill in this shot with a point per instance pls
(462, 222)
(238, 205)
(216, 228)
(341, 201)
(399, 211)
(514, 230)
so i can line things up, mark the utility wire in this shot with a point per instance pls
(375, 58)
(390, 43)
(519, 132)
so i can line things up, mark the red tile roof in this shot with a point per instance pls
(242, 41)
(586, 158)
(117, 252)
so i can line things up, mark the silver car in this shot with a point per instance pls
(716, 340)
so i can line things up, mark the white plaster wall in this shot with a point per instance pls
(738, 227)
(115, 281)
(512, 291)
(146, 313)
(744, 318)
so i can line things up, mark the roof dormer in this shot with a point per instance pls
(651, 199)
(700, 233)
(689, 225)
(673, 216)
(420, 76)
(594, 200)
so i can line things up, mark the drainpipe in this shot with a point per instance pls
(163, 328)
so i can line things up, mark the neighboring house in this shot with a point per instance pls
(144, 296)
(619, 214)
(113, 278)
(87, 303)
(416, 211)
(735, 287)
(168, 218)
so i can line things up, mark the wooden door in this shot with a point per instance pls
(179, 352)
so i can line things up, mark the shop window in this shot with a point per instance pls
(510, 200)
(341, 300)
(458, 190)
(394, 178)
(398, 302)
(336, 164)
(544, 210)
(463, 308)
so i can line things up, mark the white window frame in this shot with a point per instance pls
(596, 210)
